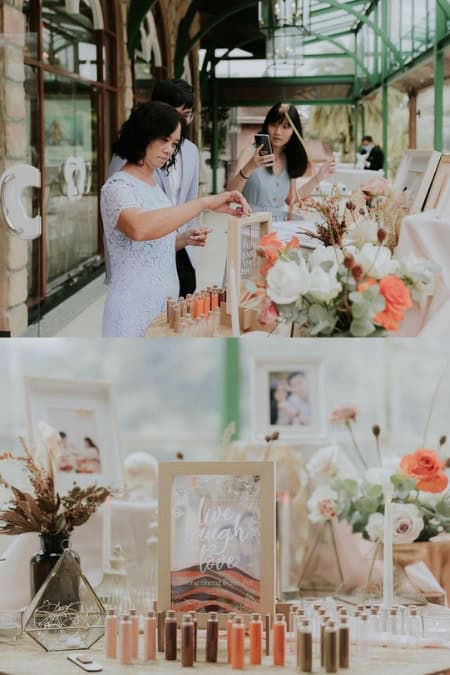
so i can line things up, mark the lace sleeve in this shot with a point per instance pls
(116, 195)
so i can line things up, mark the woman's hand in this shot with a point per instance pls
(197, 236)
(327, 169)
(232, 203)
(259, 161)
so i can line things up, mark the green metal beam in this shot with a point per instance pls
(351, 54)
(439, 75)
(345, 7)
(231, 385)
(385, 88)
(183, 36)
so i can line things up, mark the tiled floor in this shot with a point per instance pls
(81, 315)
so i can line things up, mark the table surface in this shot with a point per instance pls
(388, 661)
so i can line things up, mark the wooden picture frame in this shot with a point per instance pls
(439, 194)
(276, 380)
(415, 174)
(242, 242)
(79, 410)
(210, 547)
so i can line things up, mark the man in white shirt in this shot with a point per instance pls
(180, 182)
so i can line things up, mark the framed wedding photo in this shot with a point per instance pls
(415, 174)
(288, 396)
(216, 538)
(83, 414)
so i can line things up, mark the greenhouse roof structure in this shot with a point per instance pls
(351, 50)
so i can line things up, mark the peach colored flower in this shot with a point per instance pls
(270, 248)
(268, 313)
(397, 297)
(425, 466)
(344, 414)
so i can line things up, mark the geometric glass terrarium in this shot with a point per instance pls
(65, 613)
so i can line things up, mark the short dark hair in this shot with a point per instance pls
(296, 157)
(177, 93)
(368, 138)
(147, 122)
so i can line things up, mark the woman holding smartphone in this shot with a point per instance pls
(266, 173)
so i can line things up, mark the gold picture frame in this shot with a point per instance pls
(415, 174)
(240, 496)
(243, 236)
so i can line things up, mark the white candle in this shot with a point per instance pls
(285, 525)
(106, 532)
(388, 560)
(235, 328)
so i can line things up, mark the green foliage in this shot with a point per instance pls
(322, 320)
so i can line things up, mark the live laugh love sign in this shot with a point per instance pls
(216, 537)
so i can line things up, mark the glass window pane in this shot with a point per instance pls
(69, 40)
(71, 168)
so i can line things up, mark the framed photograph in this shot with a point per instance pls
(83, 414)
(415, 174)
(216, 547)
(288, 397)
(439, 195)
(243, 237)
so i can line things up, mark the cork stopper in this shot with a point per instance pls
(212, 616)
(125, 616)
(256, 616)
(187, 618)
(364, 616)
(151, 614)
(170, 614)
(133, 612)
(238, 619)
(111, 611)
(279, 617)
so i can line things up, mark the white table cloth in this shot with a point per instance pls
(352, 177)
(427, 235)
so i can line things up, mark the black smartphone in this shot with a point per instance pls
(264, 140)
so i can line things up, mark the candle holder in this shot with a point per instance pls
(10, 626)
(317, 578)
(405, 592)
(65, 613)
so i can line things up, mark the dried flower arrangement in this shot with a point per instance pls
(43, 509)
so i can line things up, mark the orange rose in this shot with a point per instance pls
(398, 300)
(397, 297)
(424, 465)
(270, 248)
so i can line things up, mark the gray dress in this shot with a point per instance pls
(143, 274)
(265, 191)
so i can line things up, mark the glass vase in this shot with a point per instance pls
(42, 563)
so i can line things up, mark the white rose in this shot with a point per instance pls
(382, 475)
(326, 254)
(423, 274)
(322, 505)
(375, 527)
(324, 462)
(287, 280)
(407, 524)
(324, 286)
(376, 261)
(364, 231)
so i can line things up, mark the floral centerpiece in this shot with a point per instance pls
(351, 285)
(419, 484)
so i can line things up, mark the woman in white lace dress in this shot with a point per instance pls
(140, 224)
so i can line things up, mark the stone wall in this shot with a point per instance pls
(13, 251)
